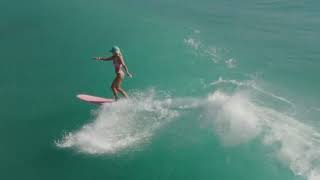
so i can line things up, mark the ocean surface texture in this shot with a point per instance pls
(221, 90)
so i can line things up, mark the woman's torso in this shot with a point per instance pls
(117, 63)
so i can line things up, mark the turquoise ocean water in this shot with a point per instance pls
(221, 90)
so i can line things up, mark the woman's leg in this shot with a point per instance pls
(114, 89)
(117, 83)
(122, 92)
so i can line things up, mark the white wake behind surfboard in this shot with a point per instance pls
(94, 99)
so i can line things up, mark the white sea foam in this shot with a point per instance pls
(231, 63)
(195, 44)
(235, 82)
(121, 125)
(299, 143)
(201, 50)
(252, 85)
(237, 119)
(233, 118)
(216, 55)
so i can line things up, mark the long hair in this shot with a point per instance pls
(119, 53)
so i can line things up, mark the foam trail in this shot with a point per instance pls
(221, 80)
(252, 85)
(231, 63)
(273, 95)
(121, 125)
(195, 44)
(216, 55)
(237, 120)
(299, 143)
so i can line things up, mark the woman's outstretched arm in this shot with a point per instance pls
(104, 58)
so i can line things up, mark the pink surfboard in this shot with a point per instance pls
(94, 99)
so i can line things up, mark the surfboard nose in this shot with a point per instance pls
(94, 99)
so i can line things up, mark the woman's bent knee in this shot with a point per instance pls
(118, 89)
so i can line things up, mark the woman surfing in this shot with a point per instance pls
(118, 63)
